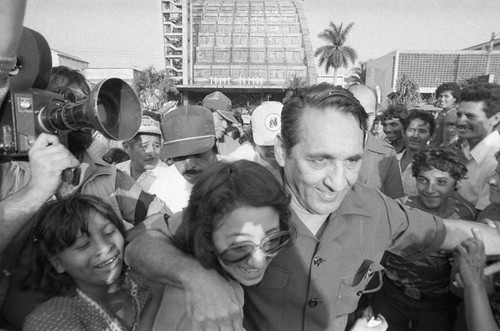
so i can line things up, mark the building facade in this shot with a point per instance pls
(431, 68)
(251, 47)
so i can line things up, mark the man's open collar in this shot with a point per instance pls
(481, 151)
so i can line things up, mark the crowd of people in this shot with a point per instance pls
(323, 212)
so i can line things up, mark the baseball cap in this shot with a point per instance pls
(187, 130)
(217, 101)
(266, 122)
(149, 126)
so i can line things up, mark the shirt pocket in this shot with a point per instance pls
(353, 286)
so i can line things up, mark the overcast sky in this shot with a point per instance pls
(124, 33)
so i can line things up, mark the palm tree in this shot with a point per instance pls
(153, 88)
(335, 54)
(293, 84)
(358, 75)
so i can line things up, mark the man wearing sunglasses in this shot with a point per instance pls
(343, 229)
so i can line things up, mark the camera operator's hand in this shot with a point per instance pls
(48, 159)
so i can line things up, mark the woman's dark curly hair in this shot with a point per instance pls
(221, 189)
(55, 228)
(442, 158)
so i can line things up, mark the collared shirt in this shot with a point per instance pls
(380, 168)
(409, 182)
(147, 178)
(172, 188)
(481, 167)
(315, 283)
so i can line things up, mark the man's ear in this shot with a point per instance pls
(125, 145)
(279, 150)
(494, 120)
(56, 263)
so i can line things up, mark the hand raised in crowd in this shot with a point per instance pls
(214, 304)
(48, 159)
(471, 259)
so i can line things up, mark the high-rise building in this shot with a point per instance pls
(249, 49)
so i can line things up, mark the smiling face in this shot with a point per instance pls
(446, 100)
(247, 225)
(472, 123)
(435, 187)
(321, 168)
(95, 260)
(417, 134)
(393, 129)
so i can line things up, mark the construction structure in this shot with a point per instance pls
(248, 49)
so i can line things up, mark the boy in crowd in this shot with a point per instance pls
(419, 291)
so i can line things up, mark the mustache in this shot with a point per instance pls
(192, 172)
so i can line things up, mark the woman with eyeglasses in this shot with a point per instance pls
(236, 222)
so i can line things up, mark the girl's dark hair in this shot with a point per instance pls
(221, 189)
(55, 228)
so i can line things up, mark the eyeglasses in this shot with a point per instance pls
(270, 245)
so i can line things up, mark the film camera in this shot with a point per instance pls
(112, 107)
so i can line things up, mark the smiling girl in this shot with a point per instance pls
(236, 222)
(76, 257)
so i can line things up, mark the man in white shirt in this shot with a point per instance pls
(144, 150)
(478, 115)
(190, 143)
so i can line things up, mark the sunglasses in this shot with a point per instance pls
(270, 245)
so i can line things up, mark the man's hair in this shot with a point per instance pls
(55, 228)
(454, 89)
(488, 93)
(424, 116)
(61, 77)
(218, 191)
(395, 111)
(318, 97)
(442, 158)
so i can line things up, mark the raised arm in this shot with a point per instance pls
(48, 159)
(211, 301)
(459, 230)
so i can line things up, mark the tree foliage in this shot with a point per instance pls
(335, 54)
(358, 75)
(407, 93)
(153, 88)
(293, 84)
